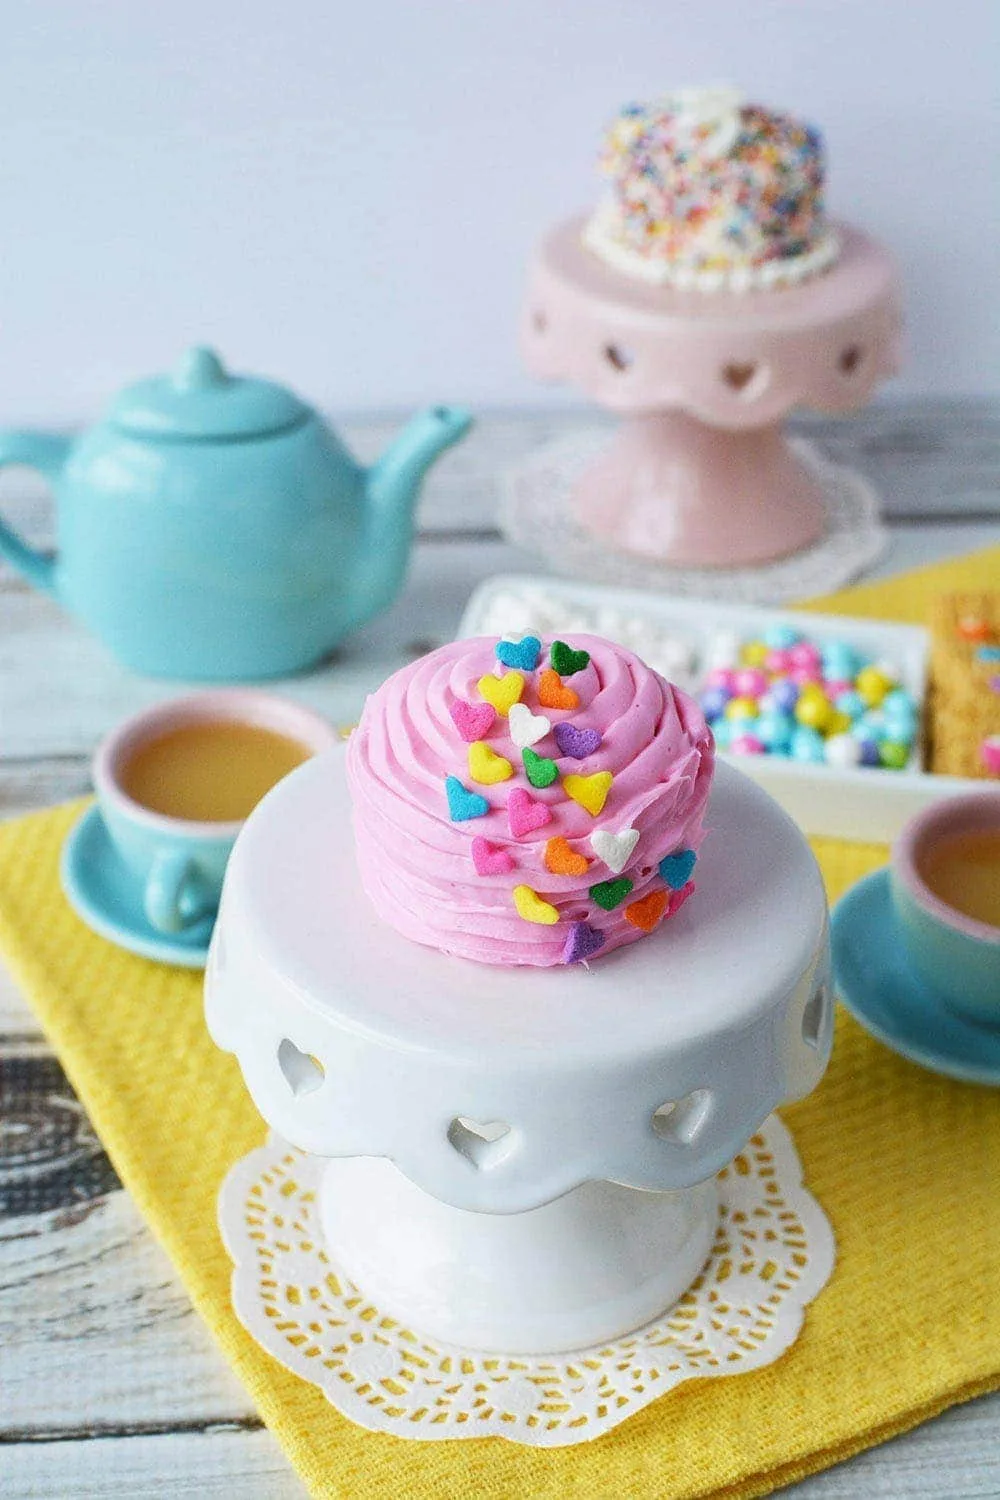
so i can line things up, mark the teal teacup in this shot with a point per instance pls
(955, 953)
(177, 861)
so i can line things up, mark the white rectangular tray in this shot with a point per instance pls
(672, 635)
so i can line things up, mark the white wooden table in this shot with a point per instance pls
(109, 1383)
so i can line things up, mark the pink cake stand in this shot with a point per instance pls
(699, 473)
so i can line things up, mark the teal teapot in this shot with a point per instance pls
(214, 527)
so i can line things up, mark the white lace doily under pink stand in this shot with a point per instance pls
(699, 473)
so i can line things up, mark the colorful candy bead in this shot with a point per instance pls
(741, 708)
(754, 653)
(869, 755)
(842, 750)
(776, 730)
(747, 744)
(893, 754)
(807, 745)
(780, 637)
(722, 677)
(850, 703)
(750, 682)
(713, 702)
(805, 654)
(785, 694)
(814, 710)
(873, 685)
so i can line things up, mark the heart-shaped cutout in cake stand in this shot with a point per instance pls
(483, 1143)
(303, 1073)
(682, 1119)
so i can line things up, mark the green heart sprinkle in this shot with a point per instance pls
(611, 893)
(565, 660)
(541, 772)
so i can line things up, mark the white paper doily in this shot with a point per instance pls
(773, 1253)
(537, 514)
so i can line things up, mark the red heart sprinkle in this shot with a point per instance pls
(490, 859)
(524, 814)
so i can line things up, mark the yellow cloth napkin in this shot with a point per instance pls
(904, 1162)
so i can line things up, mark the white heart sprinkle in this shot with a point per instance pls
(525, 727)
(614, 848)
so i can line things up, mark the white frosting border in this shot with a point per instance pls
(599, 237)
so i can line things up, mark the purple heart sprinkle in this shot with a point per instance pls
(582, 943)
(579, 743)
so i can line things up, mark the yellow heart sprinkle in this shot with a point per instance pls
(486, 766)
(591, 792)
(532, 908)
(503, 692)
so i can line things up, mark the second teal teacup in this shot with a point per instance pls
(945, 882)
(176, 783)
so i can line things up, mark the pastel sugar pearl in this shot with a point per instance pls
(838, 723)
(713, 702)
(723, 649)
(741, 708)
(776, 730)
(784, 694)
(754, 653)
(842, 750)
(805, 654)
(779, 661)
(893, 754)
(722, 677)
(804, 675)
(750, 682)
(840, 662)
(850, 703)
(869, 753)
(807, 745)
(873, 685)
(722, 732)
(747, 744)
(836, 687)
(780, 637)
(814, 712)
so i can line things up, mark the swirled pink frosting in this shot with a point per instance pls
(416, 862)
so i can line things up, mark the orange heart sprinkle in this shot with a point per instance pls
(562, 860)
(647, 912)
(553, 692)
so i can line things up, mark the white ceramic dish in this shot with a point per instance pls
(673, 635)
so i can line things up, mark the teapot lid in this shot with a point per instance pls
(200, 399)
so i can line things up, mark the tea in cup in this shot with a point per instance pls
(945, 882)
(176, 783)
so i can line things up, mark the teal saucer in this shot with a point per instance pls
(103, 893)
(876, 983)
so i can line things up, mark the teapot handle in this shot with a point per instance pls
(45, 452)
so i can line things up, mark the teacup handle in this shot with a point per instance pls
(174, 898)
(46, 452)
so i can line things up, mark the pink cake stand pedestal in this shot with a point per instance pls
(699, 472)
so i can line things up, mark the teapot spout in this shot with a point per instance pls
(392, 489)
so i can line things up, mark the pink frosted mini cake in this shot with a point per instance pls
(528, 802)
(708, 191)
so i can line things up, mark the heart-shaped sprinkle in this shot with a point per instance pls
(525, 814)
(539, 771)
(566, 661)
(463, 804)
(472, 720)
(552, 692)
(562, 859)
(532, 908)
(678, 898)
(646, 913)
(582, 942)
(486, 766)
(503, 692)
(591, 792)
(676, 868)
(491, 859)
(523, 653)
(614, 848)
(611, 893)
(578, 743)
(989, 754)
(526, 728)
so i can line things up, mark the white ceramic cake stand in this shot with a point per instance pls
(699, 472)
(521, 1160)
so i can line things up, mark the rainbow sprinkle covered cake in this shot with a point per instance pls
(709, 192)
(528, 802)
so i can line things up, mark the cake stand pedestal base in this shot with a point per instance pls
(583, 1269)
(671, 486)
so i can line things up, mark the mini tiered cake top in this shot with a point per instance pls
(528, 802)
(710, 192)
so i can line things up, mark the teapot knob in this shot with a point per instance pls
(199, 369)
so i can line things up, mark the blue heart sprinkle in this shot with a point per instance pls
(521, 655)
(676, 868)
(988, 653)
(463, 804)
